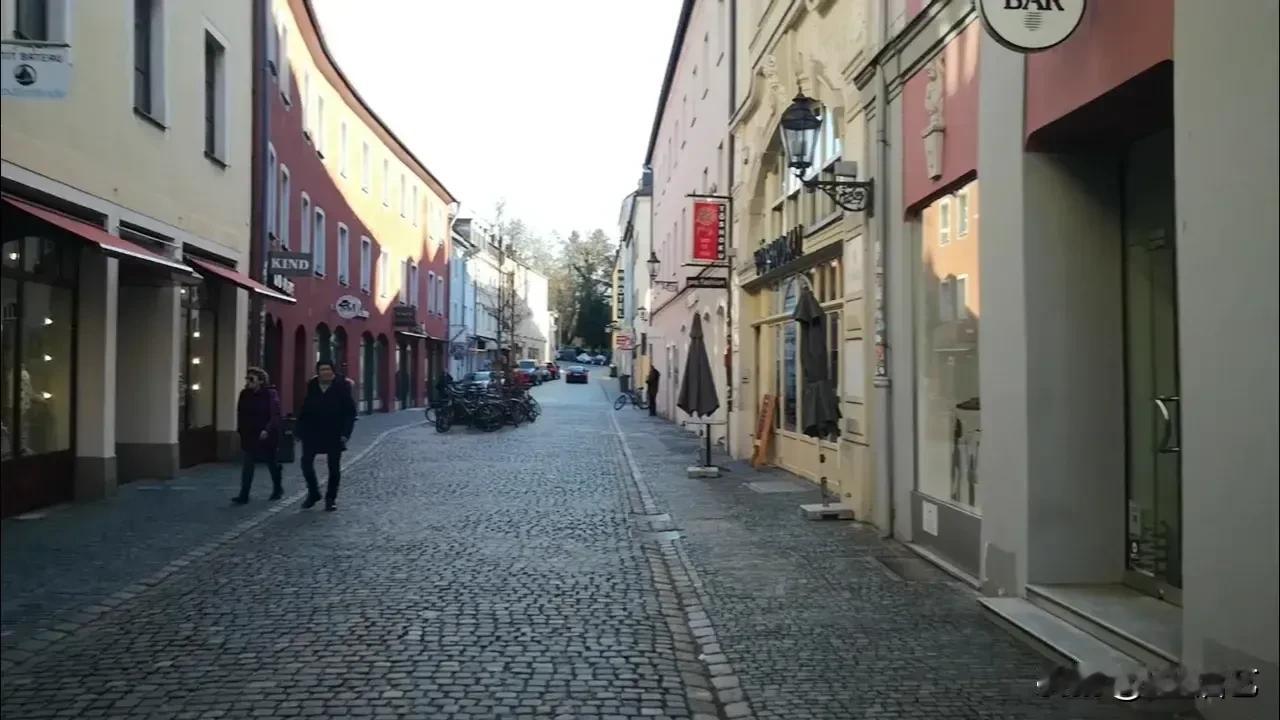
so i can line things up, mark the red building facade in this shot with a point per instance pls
(342, 190)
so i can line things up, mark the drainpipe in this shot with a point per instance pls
(880, 323)
(258, 215)
(729, 251)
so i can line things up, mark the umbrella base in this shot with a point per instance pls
(832, 511)
(703, 471)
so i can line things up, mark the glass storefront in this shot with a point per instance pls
(37, 366)
(197, 376)
(826, 280)
(946, 326)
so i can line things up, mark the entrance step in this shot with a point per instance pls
(1057, 639)
(1138, 625)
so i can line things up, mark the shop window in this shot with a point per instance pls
(196, 376)
(944, 221)
(947, 301)
(788, 345)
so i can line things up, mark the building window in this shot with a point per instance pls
(148, 55)
(431, 292)
(947, 302)
(305, 224)
(413, 205)
(404, 212)
(404, 282)
(366, 167)
(384, 273)
(386, 182)
(320, 242)
(273, 190)
(414, 299)
(286, 70)
(342, 148)
(306, 104)
(32, 21)
(320, 125)
(215, 98)
(282, 220)
(944, 221)
(344, 255)
(962, 213)
(789, 376)
(366, 264)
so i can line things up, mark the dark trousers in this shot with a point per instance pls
(247, 466)
(308, 461)
(653, 403)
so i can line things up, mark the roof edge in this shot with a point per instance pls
(430, 177)
(673, 60)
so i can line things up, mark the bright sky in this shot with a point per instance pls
(545, 103)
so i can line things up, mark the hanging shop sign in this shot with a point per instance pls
(34, 71)
(619, 294)
(780, 251)
(710, 230)
(703, 281)
(1029, 26)
(404, 316)
(348, 307)
(289, 264)
(624, 341)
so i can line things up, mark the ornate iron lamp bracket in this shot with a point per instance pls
(852, 195)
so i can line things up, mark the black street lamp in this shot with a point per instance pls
(801, 122)
(653, 263)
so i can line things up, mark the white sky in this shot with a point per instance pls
(546, 103)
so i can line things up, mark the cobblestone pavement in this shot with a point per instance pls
(814, 624)
(524, 574)
(60, 568)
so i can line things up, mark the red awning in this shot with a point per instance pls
(96, 235)
(237, 278)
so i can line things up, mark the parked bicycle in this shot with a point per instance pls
(486, 409)
(633, 396)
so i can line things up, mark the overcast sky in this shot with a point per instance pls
(548, 104)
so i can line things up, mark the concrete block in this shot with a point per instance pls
(834, 511)
(696, 471)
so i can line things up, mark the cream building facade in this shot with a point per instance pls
(788, 238)
(123, 358)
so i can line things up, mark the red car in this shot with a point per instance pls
(554, 369)
(576, 374)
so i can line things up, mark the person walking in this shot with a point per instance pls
(651, 389)
(258, 422)
(325, 423)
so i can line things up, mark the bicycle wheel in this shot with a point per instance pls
(516, 412)
(431, 414)
(534, 408)
(622, 400)
(444, 421)
(488, 418)
(639, 401)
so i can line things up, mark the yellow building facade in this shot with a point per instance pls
(788, 238)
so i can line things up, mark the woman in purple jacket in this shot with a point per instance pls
(258, 415)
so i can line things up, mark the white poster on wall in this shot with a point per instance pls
(853, 265)
(929, 518)
(855, 370)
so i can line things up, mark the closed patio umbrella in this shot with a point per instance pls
(698, 386)
(820, 406)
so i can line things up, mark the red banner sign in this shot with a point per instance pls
(708, 231)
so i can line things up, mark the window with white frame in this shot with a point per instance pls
(414, 299)
(404, 211)
(384, 273)
(431, 292)
(962, 213)
(413, 205)
(961, 302)
(286, 70)
(344, 255)
(386, 182)
(947, 299)
(283, 198)
(366, 167)
(273, 172)
(148, 58)
(215, 98)
(944, 222)
(320, 124)
(404, 281)
(440, 294)
(273, 47)
(304, 244)
(342, 148)
(306, 103)
(41, 20)
(366, 264)
(320, 241)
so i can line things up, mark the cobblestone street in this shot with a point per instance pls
(527, 574)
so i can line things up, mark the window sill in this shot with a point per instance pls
(149, 118)
(222, 164)
(320, 275)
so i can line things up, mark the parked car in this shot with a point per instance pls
(584, 358)
(536, 372)
(553, 370)
(479, 379)
(600, 360)
(576, 374)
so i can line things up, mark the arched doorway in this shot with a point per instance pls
(404, 369)
(323, 344)
(272, 349)
(367, 374)
(382, 358)
(300, 372)
(340, 351)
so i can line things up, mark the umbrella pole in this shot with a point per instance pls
(706, 434)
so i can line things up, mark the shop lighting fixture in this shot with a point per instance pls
(801, 122)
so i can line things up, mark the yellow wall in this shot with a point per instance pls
(94, 141)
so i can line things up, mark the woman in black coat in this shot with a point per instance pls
(325, 423)
(258, 422)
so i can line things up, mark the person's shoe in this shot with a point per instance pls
(330, 506)
(310, 501)
(239, 500)
(276, 495)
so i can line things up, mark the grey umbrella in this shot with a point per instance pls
(820, 407)
(698, 386)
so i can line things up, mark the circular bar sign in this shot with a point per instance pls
(1029, 26)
